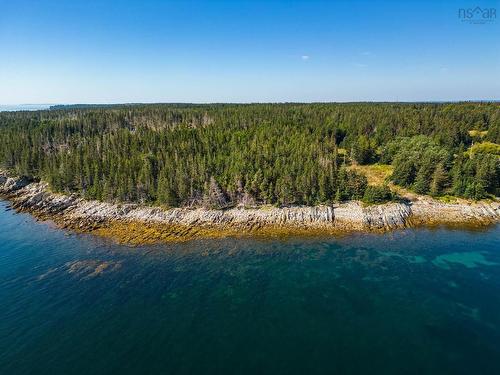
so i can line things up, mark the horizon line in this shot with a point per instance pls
(256, 102)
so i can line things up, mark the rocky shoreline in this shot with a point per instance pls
(138, 224)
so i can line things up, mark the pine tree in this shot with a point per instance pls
(439, 180)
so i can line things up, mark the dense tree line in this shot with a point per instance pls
(220, 155)
(425, 166)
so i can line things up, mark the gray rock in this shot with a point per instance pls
(36, 196)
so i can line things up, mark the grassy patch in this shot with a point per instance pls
(447, 199)
(377, 174)
(478, 133)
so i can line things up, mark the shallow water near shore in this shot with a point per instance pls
(409, 301)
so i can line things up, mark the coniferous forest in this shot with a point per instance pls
(225, 154)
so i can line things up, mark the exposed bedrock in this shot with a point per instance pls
(77, 213)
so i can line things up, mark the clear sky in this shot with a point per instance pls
(88, 51)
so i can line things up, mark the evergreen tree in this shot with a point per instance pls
(279, 153)
(439, 180)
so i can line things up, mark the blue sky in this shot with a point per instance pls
(245, 51)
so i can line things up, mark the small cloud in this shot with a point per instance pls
(366, 53)
(359, 65)
(443, 69)
(305, 57)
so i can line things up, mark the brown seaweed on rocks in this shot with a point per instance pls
(138, 224)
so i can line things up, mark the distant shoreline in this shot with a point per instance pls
(136, 224)
(24, 107)
(42, 107)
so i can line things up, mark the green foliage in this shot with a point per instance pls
(351, 185)
(476, 176)
(183, 155)
(415, 160)
(475, 190)
(484, 148)
(377, 194)
(363, 150)
(439, 180)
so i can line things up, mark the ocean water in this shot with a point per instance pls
(23, 107)
(407, 302)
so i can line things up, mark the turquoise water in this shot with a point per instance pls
(412, 302)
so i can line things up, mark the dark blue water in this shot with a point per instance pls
(412, 302)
